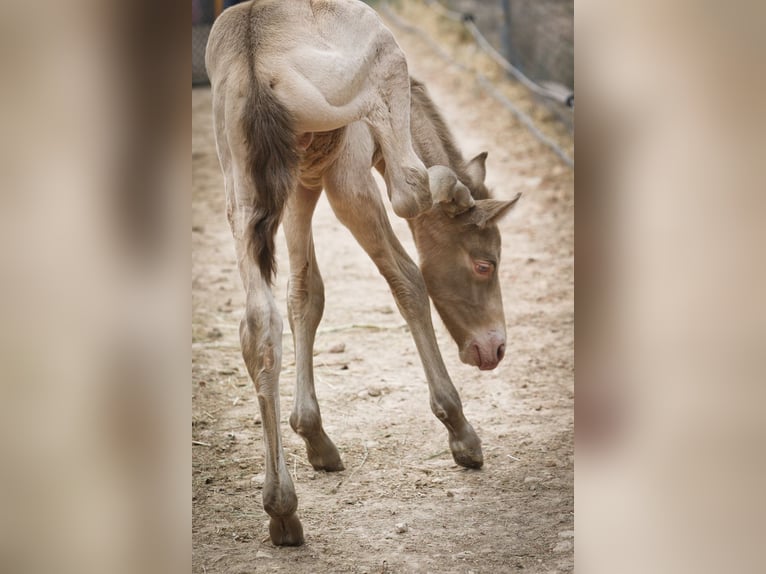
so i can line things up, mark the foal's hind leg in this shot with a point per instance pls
(305, 302)
(406, 177)
(261, 337)
(261, 327)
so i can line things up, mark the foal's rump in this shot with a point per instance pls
(256, 119)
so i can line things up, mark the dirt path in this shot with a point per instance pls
(516, 513)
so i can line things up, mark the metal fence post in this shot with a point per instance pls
(507, 40)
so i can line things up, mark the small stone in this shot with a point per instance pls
(262, 554)
(566, 534)
(563, 546)
(215, 333)
(258, 480)
(450, 494)
(401, 527)
(373, 391)
(339, 348)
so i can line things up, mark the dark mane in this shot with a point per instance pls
(426, 116)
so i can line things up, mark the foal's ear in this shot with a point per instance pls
(490, 210)
(476, 169)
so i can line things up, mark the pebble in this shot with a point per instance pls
(566, 534)
(563, 546)
(215, 333)
(401, 527)
(339, 348)
(373, 391)
(258, 480)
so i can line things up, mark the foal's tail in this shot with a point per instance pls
(272, 158)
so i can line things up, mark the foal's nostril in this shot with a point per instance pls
(500, 352)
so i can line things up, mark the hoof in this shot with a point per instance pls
(467, 450)
(286, 531)
(328, 462)
(469, 458)
(323, 455)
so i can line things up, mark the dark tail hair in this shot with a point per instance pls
(272, 158)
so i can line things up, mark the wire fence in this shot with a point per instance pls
(550, 89)
(535, 36)
(486, 84)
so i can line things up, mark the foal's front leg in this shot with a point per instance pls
(356, 201)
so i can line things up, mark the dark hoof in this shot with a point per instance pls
(327, 465)
(469, 458)
(286, 531)
(323, 455)
(467, 450)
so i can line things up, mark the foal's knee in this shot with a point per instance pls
(409, 290)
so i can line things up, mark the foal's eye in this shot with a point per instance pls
(483, 268)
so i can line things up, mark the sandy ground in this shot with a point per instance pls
(514, 514)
